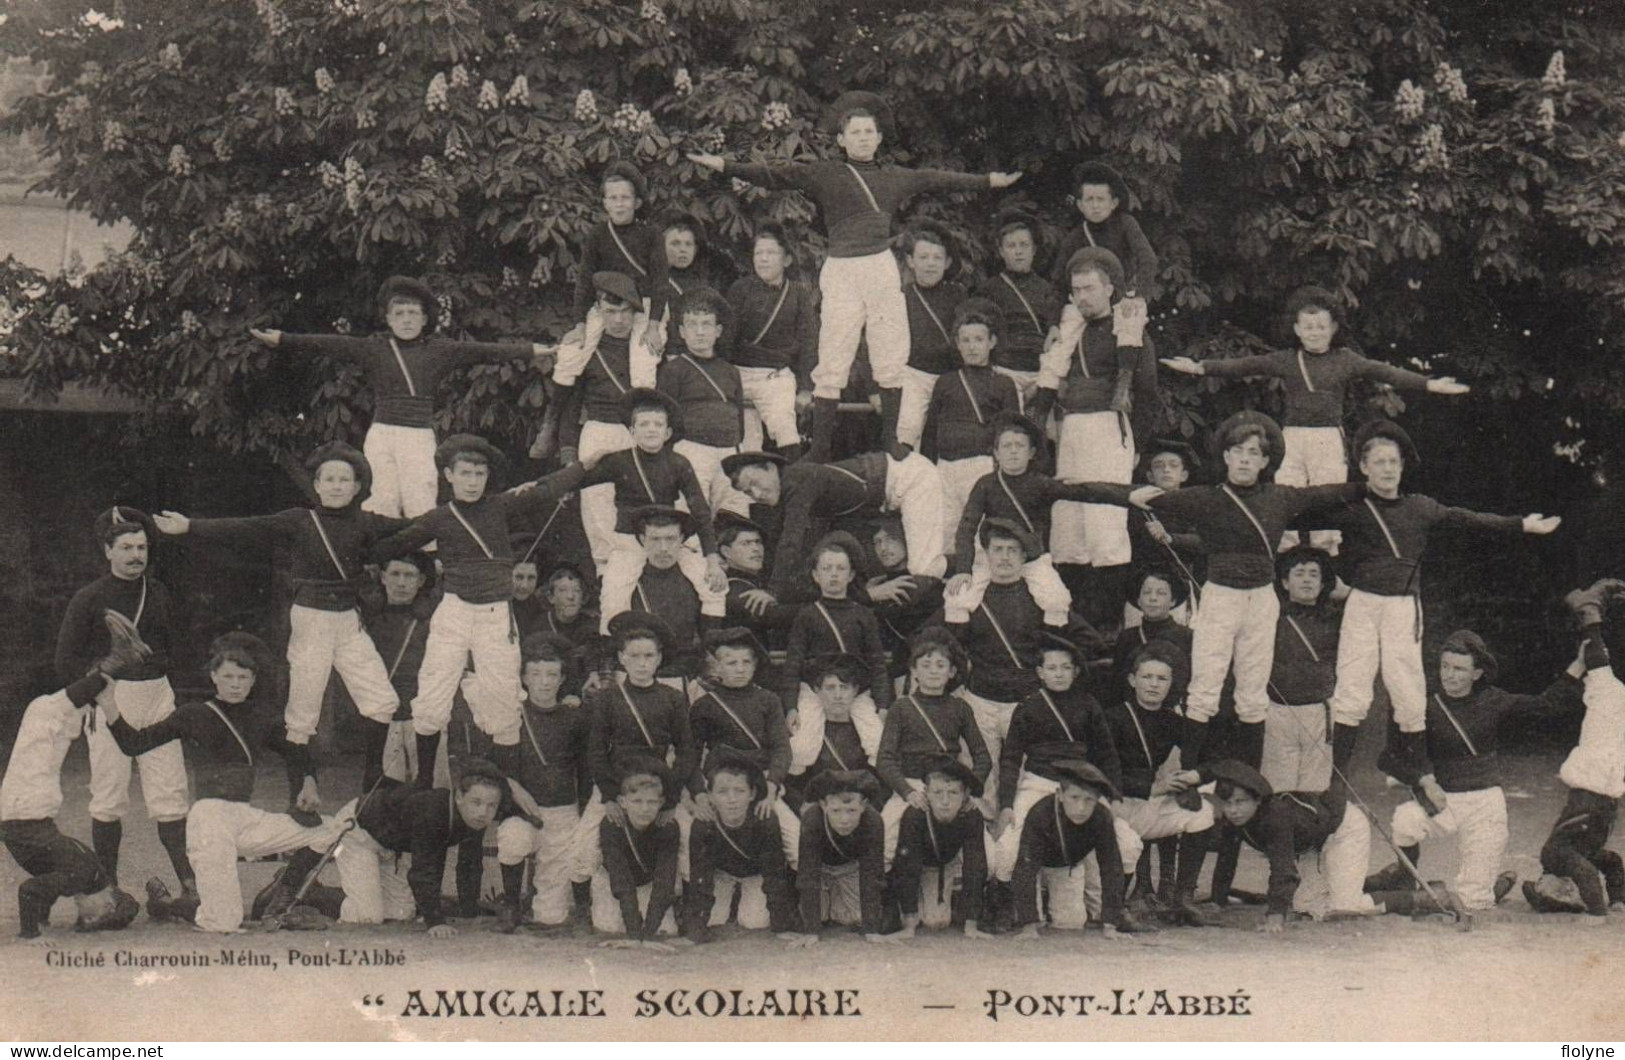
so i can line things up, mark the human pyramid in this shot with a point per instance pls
(824, 693)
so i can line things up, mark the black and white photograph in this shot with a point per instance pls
(785, 520)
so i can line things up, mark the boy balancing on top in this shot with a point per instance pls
(403, 368)
(863, 290)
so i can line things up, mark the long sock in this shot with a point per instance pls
(824, 413)
(1596, 650)
(105, 837)
(794, 452)
(1168, 853)
(1142, 874)
(1414, 853)
(172, 834)
(374, 738)
(1344, 738)
(1250, 742)
(1192, 741)
(513, 882)
(506, 758)
(581, 898)
(428, 753)
(1193, 848)
(300, 865)
(891, 407)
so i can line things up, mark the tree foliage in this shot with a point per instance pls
(1456, 174)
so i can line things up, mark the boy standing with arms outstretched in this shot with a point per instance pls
(474, 618)
(1316, 378)
(403, 369)
(1385, 536)
(863, 290)
(327, 546)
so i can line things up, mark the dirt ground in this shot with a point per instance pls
(1515, 976)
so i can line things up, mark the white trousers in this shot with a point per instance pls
(405, 481)
(916, 399)
(707, 463)
(1129, 846)
(1044, 582)
(518, 839)
(807, 735)
(993, 722)
(1094, 448)
(1068, 898)
(485, 632)
(1029, 790)
(935, 913)
(1479, 820)
(163, 769)
(840, 896)
(598, 502)
(320, 642)
(1239, 625)
(862, 298)
(772, 396)
(1297, 748)
(401, 756)
(373, 878)
(1381, 634)
(606, 911)
(959, 477)
(1332, 879)
(1314, 457)
(625, 566)
(218, 832)
(914, 492)
(753, 912)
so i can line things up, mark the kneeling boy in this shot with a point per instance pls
(842, 871)
(737, 850)
(951, 839)
(634, 884)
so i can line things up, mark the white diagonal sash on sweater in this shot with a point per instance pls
(1468, 740)
(1251, 518)
(975, 406)
(929, 724)
(637, 717)
(478, 540)
(840, 641)
(627, 254)
(411, 387)
(932, 313)
(1028, 306)
(240, 741)
(864, 184)
(1057, 712)
(328, 544)
(784, 292)
(730, 712)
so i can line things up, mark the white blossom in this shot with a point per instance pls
(1557, 74)
(324, 80)
(459, 76)
(682, 82)
(1546, 114)
(775, 115)
(170, 57)
(284, 102)
(586, 106)
(489, 99)
(519, 92)
(114, 137)
(1449, 81)
(1409, 100)
(180, 163)
(435, 98)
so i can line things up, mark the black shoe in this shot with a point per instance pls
(158, 900)
(1186, 913)
(1393, 878)
(274, 898)
(1129, 924)
(1504, 884)
(508, 918)
(1545, 902)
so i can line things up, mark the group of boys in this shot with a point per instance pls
(773, 720)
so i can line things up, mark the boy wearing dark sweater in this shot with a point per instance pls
(833, 624)
(743, 547)
(379, 883)
(1015, 491)
(633, 716)
(652, 474)
(1101, 376)
(396, 616)
(474, 618)
(554, 768)
(1162, 541)
(622, 244)
(709, 394)
(734, 716)
(404, 368)
(223, 736)
(1385, 536)
(775, 343)
(1058, 836)
(1101, 193)
(1027, 303)
(738, 850)
(1155, 595)
(1298, 736)
(1058, 721)
(30, 798)
(841, 876)
(1002, 637)
(932, 300)
(142, 691)
(328, 547)
(943, 853)
(1316, 378)
(965, 399)
(634, 882)
(613, 355)
(862, 288)
(1317, 845)
(925, 725)
(847, 741)
(1454, 769)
